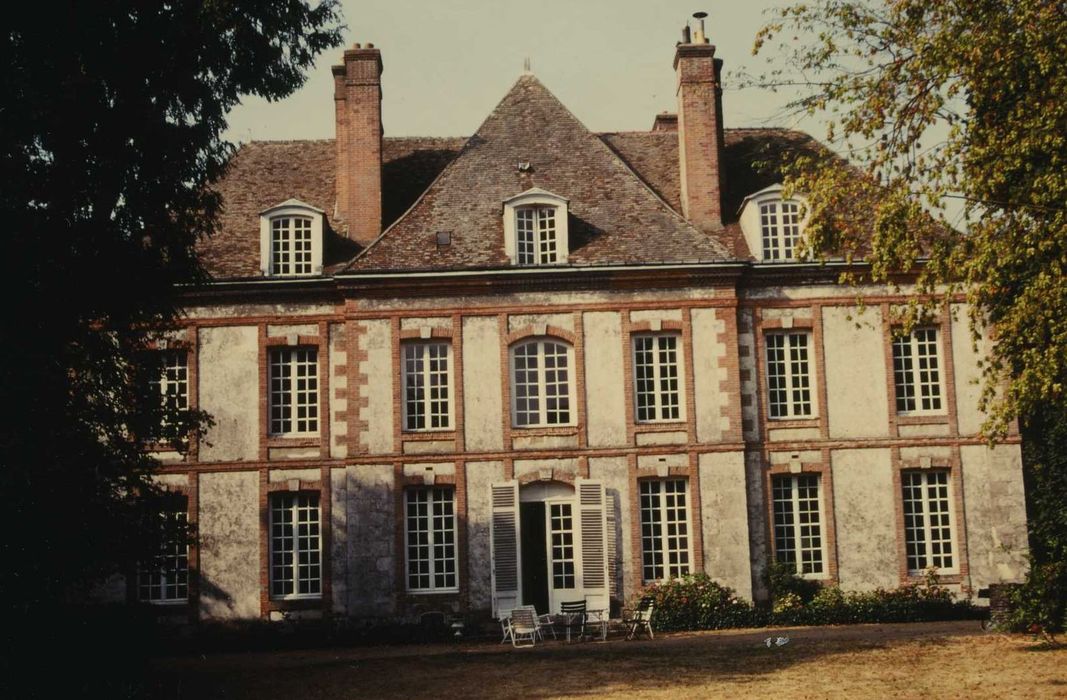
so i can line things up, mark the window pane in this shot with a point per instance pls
(664, 529)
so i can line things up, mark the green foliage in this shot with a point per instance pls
(936, 102)
(787, 589)
(696, 602)
(1040, 604)
(110, 140)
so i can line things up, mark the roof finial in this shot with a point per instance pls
(526, 66)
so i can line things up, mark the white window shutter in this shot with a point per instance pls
(613, 559)
(594, 539)
(504, 547)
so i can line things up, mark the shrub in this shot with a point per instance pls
(1040, 604)
(696, 602)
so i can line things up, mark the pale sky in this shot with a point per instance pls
(448, 63)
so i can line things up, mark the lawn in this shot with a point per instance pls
(946, 659)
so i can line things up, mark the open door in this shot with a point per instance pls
(504, 547)
(594, 543)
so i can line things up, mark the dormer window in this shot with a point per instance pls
(291, 240)
(535, 228)
(779, 229)
(773, 226)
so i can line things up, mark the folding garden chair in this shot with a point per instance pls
(641, 619)
(523, 625)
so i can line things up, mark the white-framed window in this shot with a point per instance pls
(294, 391)
(295, 545)
(535, 231)
(798, 536)
(290, 240)
(657, 377)
(427, 386)
(171, 381)
(917, 372)
(789, 384)
(541, 383)
(664, 529)
(779, 229)
(430, 526)
(290, 245)
(165, 578)
(536, 228)
(927, 502)
(561, 532)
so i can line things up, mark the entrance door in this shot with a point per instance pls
(534, 556)
(561, 559)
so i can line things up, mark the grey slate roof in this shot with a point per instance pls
(623, 190)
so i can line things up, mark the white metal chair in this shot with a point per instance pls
(543, 622)
(523, 625)
(641, 619)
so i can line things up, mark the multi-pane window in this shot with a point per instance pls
(290, 245)
(927, 520)
(170, 382)
(294, 391)
(540, 383)
(788, 376)
(657, 385)
(431, 539)
(427, 398)
(295, 545)
(917, 372)
(664, 529)
(165, 578)
(561, 517)
(780, 229)
(535, 232)
(797, 529)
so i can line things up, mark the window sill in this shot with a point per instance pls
(793, 422)
(429, 434)
(660, 426)
(433, 591)
(922, 418)
(304, 602)
(302, 440)
(538, 430)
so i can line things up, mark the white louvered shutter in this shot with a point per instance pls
(594, 541)
(613, 553)
(504, 547)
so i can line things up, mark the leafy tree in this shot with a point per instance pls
(110, 137)
(934, 102)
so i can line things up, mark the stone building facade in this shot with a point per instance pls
(544, 364)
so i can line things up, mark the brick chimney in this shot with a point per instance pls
(700, 131)
(357, 99)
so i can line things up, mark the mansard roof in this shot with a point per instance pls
(623, 191)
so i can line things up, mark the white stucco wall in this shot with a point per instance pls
(605, 379)
(480, 476)
(855, 372)
(995, 513)
(370, 521)
(376, 341)
(482, 391)
(339, 539)
(707, 374)
(724, 520)
(229, 532)
(865, 511)
(967, 373)
(228, 386)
